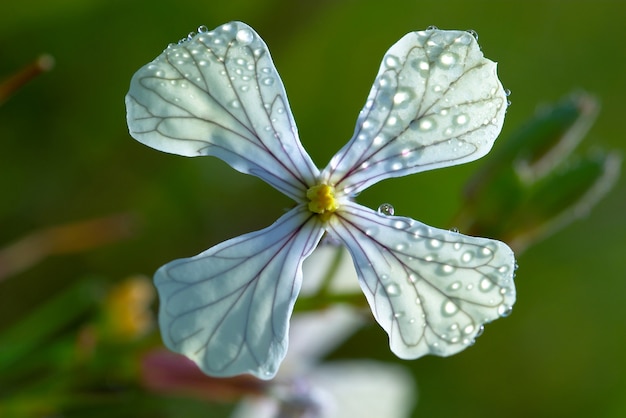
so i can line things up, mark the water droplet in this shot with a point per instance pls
(393, 289)
(503, 269)
(202, 29)
(244, 36)
(402, 97)
(235, 104)
(456, 231)
(426, 124)
(473, 33)
(486, 284)
(386, 209)
(504, 310)
(461, 119)
(434, 243)
(190, 35)
(392, 61)
(432, 27)
(467, 257)
(507, 92)
(412, 278)
(480, 331)
(447, 269)
(468, 329)
(448, 59)
(455, 286)
(398, 315)
(449, 308)
(268, 81)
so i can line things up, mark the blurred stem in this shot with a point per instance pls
(70, 238)
(9, 86)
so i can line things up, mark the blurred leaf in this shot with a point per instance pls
(30, 336)
(533, 185)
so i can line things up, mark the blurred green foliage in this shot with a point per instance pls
(67, 157)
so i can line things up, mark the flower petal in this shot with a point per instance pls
(219, 94)
(228, 308)
(436, 102)
(430, 289)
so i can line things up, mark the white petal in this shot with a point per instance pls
(228, 308)
(219, 94)
(430, 289)
(363, 389)
(436, 102)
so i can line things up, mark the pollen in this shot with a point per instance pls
(322, 200)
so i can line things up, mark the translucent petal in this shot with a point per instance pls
(430, 289)
(219, 94)
(436, 102)
(228, 308)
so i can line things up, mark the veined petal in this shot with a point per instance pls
(436, 102)
(219, 94)
(228, 308)
(430, 289)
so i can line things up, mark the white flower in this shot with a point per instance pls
(436, 102)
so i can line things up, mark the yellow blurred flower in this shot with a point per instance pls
(127, 308)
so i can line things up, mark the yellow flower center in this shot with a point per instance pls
(322, 200)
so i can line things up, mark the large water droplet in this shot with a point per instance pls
(386, 209)
(244, 36)
(461, 119)
(455, 286)
(447, 269)
(392, 61)
(426, 124)
(486, 284)
(473, 33)
(448, 59)
(467, 256)
(393, 289)
(504, 310)
(449, 308)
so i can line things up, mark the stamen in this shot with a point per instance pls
(322, 200)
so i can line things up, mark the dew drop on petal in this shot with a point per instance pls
(480, 331)
(393, 289)
(386, 209)
(473, 33)
(448, 59)
(455, 286)
(461, 119)
(392, 61)
(449, 308)
(486, 284)
(504, 310)
(244, 36)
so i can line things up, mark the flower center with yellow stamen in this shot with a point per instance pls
(322, 200)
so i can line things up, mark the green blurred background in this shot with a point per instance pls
(67, 156)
